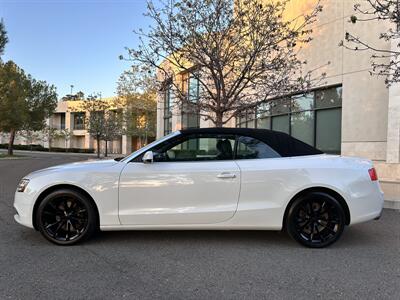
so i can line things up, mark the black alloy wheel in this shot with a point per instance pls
(66, 217)
(316, 220)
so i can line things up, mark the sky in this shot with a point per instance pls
(72, 42)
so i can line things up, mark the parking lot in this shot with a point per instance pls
(364, 264)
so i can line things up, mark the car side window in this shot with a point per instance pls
(199, 148)
(251, 148)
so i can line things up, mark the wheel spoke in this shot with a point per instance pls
(328, 228)
(58, 228)
(68, 230)
(312, 232)
(51, 225)
(305, 225)
(319, 234)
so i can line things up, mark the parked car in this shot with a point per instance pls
(213, 179)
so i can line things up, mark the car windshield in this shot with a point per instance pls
(149, 146)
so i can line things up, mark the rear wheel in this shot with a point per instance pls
(66, 217)
(315, 220)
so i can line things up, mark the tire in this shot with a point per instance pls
(66, 217)
(315, 220)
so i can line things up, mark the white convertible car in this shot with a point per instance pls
(213, 179)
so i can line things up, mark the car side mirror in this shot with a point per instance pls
(148, 157)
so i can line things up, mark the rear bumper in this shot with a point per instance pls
(366, 208)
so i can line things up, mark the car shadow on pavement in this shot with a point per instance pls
(352, 237)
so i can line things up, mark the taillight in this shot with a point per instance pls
(372, 174)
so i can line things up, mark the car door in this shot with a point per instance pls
(264, 180)
(192, 180)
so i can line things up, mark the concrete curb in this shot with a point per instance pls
(392, 204)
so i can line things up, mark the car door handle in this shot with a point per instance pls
(226, 175)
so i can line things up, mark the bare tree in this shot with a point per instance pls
(30, 136)
(102, 120)
(385, 61)
(137, 89)
(113, 127)
(94, 108)
(66, 134)
(241, 52)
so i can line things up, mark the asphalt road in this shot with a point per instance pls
(364, 264)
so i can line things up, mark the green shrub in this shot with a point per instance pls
(43, 149)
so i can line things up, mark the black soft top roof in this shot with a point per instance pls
(281, 142)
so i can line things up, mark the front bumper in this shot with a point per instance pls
(23, 204)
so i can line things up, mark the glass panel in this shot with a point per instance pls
(303, 126)
(168, 98)
(167, 125)
(281, 123)
(62, 121)
(251, 148)
(264, 109)
(279, 107)
(199, 149)
(190, 120)
(251, 124)
(331, 97)
(79, 121)
(193, 94)
(329, 125)
(303, 102)
(241, 121)
(264, 123)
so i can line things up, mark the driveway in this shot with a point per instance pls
(365, 263)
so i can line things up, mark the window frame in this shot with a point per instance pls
(190, 103)
(79, 116)
(167, 145)
(170, 143)
(167, 108)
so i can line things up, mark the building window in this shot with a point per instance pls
(168, 101)
(247, 119)
(62, 121)
(314, 118)
(79, 121)
(190, 114)
(193, 89)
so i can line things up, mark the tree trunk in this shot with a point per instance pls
(98, 147)
(106, 153)
(11, 142)
(218, 119)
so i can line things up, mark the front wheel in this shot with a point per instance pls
(66, 217)
(315, 220)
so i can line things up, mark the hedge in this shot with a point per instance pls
(41, 148)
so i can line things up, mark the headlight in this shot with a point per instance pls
(22, 185)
